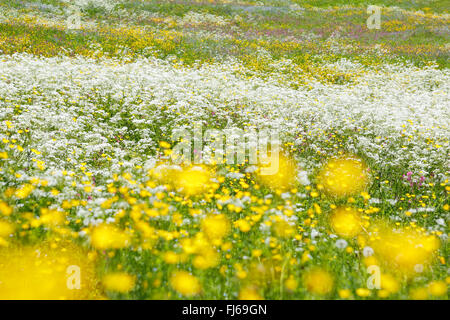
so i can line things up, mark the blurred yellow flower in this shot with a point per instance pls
(6, 228)
(171, 257)
(418, 293)
(185, 283)
(344, 176)
(215, 226)
(318, 281)
(24, 191)
(370, 261)
(291, 283)
(243, 225)
(52, 217)
(207, 258)
(283, 229)
(106, 236)
(50, 270)
(164, 173)
(5, 209)
(164, 144)
(256, 253)
(437, 288)
(404, 250)
(119, 282)
(284, 176)
(346, 221)
(344, 293)
(249, 293)
(389, 283)
(193, 181)
(363, 292)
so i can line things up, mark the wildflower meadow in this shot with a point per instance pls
(224, 149)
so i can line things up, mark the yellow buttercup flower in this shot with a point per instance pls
(6, 228)
(171, 257)
(404, 250)
(5, 209)
(185, 283)
(291, 283)
(318, 281)
(164, 173)
(119, 282)
(363, 292)
(346, 221)
(344, 176)
(193, 181)
(437, 288)
(164, 144)
(418, 293)
(389, 283)
(106, 236)
(282, 173)
(243, 225)
(52, 217)
(344, 293)
(249, 293)
(283, 229)
(207, 257)
(215, 226)
(24, 191)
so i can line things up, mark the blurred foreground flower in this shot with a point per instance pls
(6, 229)
(193, 181)
(346, 221)
(318, 281)
(215, 226)
(403, 250)
(52, 270)
(285, 172)
(249, 293)
(106, 236)
(344, 176)
(119, 282)
(185, 283)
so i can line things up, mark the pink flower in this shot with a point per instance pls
(408, 176)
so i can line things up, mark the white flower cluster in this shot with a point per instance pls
(195, 18)
(107, 5)
(106, 116)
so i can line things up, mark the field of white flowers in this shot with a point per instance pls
(87, 130)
